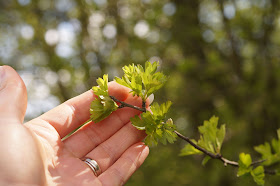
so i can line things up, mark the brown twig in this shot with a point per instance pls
(215, 156)
(219, 156)
(124, 104)
(212, 155)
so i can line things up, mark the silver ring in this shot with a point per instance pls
(93, 166)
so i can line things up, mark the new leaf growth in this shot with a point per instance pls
(211, 138)
(145, 81)
(157, 129)
(102, 106)
(142, 82)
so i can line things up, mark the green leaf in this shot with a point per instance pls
(102, 88)
(258, 175)
(189, 150)
(138, 123)
(245, 159)
(211, 136)
(132, 79)
(142, 82)
(244, 163)
(151, 68)
(159, 111)
(276, 146)
(205, 160)
(220, 137)
(271, 153)
(150, 141)
(153, 123)
(101, 108)
(168, 135)
(121, 81)
(264, 149)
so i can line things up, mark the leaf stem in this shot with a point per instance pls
(68, 135)
(124, 104)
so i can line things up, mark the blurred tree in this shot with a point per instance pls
(222, 58)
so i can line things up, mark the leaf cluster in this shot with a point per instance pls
(270, 153)
(157, 129)
(145, 81)
(245, 167)
(102, 106)
(142, 81)
(211, 139)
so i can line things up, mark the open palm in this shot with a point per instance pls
(34, 154)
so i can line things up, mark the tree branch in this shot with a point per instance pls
(212, 155)
(124, 104)
(215, 156)
(219, 156)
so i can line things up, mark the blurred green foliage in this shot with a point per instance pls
(222, 58)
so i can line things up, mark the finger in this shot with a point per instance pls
(71, 114)
(125, 166)
(13, 95)
(91, 135)
(109, 151)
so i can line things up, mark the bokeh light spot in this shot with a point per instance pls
(52, 37)
(229, 11)
(169, 9)
(141, 29)
(109, 31)
(27, 32)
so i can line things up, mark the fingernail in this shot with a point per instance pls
(151, 98)
(140, 145)
(2, 76)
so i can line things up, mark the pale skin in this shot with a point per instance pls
(34, 153)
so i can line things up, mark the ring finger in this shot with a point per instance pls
(110, 150)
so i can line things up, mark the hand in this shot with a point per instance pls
(34, 154)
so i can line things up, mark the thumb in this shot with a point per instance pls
(13, 95)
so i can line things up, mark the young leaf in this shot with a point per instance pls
(102, 106)
(142, 82)
(151, 68)
(168, 132)
(244, 163)
(189, 150)
(122, 81)
(211, 137)
(153, 123)
(159, 111)
(265, 151)
(220, 137)
(150, 141)
(138, 123)
(276, 146)
(258, 175)
(205, 160)
(102, 88)
(271, 153)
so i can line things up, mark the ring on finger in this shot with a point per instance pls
(93, 166)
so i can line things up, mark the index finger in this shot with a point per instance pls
(71, 114)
